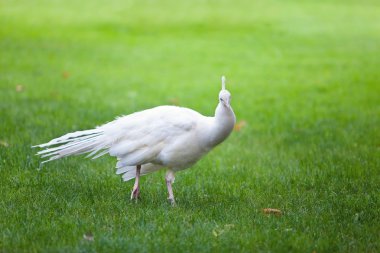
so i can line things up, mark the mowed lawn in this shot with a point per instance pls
(305, 81)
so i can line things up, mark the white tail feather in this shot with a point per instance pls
(67, 137)
(76, 143)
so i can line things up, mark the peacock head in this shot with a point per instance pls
(224, 95)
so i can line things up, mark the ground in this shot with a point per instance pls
(304, 76)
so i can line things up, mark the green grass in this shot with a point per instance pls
(304, 75)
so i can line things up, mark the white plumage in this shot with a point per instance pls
(146, 141)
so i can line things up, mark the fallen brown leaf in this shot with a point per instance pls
(272, 211)
(88, 236)
(173, 101)
(19, 88)
(4, 143)
(65, 74)
(217, 231)
(239, 125)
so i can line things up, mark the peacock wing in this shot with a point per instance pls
(140, 137)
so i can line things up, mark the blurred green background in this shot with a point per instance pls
(304, 76)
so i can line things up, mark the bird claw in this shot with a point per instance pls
(135, 194)
(172, 201)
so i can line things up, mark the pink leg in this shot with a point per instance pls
(136, 189)
(169, 180)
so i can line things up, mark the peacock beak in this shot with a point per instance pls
(226, 103)
(229, 102)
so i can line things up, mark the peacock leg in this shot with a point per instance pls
(169, 180)
(136, 189)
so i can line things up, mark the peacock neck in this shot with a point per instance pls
(223, 123)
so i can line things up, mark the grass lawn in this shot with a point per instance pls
(305, 79)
